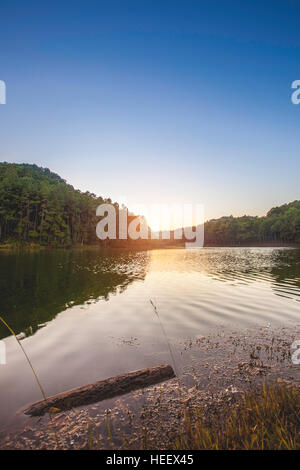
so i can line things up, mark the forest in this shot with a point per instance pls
(281, 225)
(38, 207)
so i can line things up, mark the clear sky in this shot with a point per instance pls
(156, 101)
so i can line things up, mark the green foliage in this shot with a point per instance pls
(38, 206)
(280, 225)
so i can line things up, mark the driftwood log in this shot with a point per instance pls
(101, 390)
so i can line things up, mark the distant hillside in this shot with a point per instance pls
(280, 225)
(38, 206)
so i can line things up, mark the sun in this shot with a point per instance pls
(164, 217)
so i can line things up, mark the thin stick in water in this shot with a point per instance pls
(166, 337)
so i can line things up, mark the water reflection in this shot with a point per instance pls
(279, 268)
(36, 286)
(195, 291)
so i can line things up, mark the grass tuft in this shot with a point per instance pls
(264, 420)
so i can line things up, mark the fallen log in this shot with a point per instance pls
(102, 390)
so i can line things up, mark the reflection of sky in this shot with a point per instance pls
(156, 101)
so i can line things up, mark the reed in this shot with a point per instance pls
(34, 374)
(264, 420)
(166, 338)
(27, 358)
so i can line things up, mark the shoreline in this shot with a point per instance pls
(11, 247)
(223, 368)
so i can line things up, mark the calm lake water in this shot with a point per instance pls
(87, 314)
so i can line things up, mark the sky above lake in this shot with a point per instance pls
(156, 101)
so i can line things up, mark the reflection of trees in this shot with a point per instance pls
(35, 287)
(286, 273)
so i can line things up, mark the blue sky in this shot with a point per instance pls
(156, 101)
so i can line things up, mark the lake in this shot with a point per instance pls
(86, 315)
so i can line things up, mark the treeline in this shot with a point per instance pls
(38, 206)
(280, 225)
